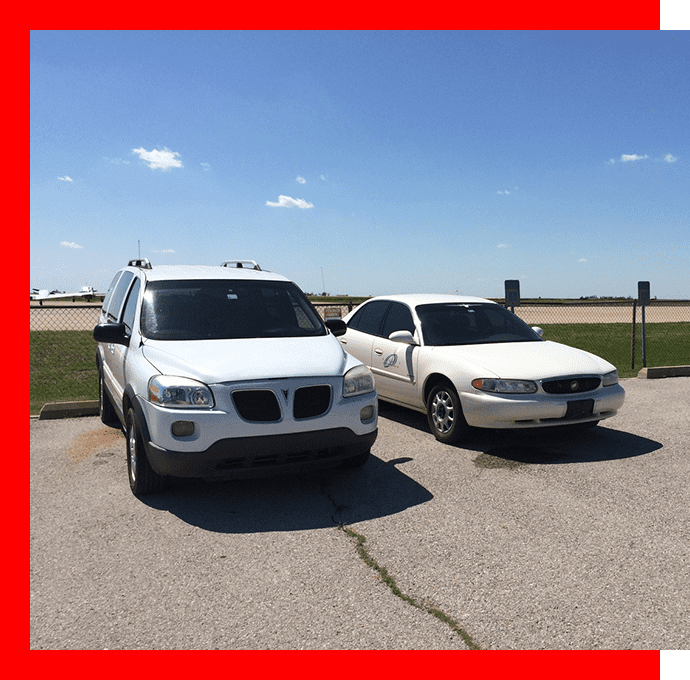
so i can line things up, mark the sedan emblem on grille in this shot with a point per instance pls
(285, 394)
(574, 386)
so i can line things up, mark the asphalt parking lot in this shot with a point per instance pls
(514, 541)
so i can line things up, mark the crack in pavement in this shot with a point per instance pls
(388, 579)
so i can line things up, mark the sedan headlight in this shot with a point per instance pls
(505, 386)
(358, 380)
(175, 392)
(609, 379)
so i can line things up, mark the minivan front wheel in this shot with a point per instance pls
(143, 479)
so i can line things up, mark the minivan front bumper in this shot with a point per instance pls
(262, 456)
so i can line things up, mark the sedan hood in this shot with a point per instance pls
(526, 360)
(216, 361)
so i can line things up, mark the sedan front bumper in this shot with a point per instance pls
(538, 410)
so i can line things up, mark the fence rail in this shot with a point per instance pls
(63, 350)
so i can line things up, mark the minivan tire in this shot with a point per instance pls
(143, 479)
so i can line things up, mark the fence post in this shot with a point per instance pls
(644, 338)
(632, 362)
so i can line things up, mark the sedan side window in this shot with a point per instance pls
(399, 318)
(368, 319)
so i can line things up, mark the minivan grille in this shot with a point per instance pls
(257, 406)
(571, 385)
(311, 401)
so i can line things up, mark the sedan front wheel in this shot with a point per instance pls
(444, 415)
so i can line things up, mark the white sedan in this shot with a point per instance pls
(469, 362)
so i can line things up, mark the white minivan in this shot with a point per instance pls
(227, 372)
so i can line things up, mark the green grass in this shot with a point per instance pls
(63, 367)
(668, 344)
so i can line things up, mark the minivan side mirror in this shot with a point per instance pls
(336, 326)
(111, 333)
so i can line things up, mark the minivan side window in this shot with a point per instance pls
(131, 307)
(113, 311)
(109, 293)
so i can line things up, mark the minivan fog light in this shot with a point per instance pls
(366, 414)
(183, 428)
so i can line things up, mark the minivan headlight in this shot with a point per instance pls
(609, 379)
(175, 392)
(505, 386)
(358, 380)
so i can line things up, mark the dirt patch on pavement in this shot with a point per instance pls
(92, 442)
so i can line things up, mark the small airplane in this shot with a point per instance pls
(87, 292)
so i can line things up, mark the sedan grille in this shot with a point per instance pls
(311, 401)
(571, 385)
(257, 406)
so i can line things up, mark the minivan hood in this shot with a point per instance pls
(527, 360)
(216, 361)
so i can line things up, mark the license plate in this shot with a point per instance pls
(580, 408)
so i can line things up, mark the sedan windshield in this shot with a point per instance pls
(226, 309)
(472, 324)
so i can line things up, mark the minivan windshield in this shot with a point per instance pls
(227, 309)
(472, 324)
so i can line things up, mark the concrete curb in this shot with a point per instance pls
(68, 409)
(664, 372)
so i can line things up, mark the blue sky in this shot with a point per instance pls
(373, 162)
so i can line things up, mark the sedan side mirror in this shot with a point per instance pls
(538, 331)
(402, 336)
(336, 326)
(111, 333)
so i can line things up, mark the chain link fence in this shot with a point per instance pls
(63, 350)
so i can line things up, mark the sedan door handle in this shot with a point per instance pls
(378, 352)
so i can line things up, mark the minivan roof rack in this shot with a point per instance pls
(142, 262)
(241, 264)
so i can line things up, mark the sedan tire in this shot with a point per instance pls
(444, 414)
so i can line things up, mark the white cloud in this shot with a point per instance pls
(301, 180)
(164, 159)
(67, 244)
(169, 250)
(582, 259)
(626, 158)
(206, 166)
(503, 193)
(66, 179)
(669, 158)
(115, 161)
(502, 245)
(288, 202)
(323, 177)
